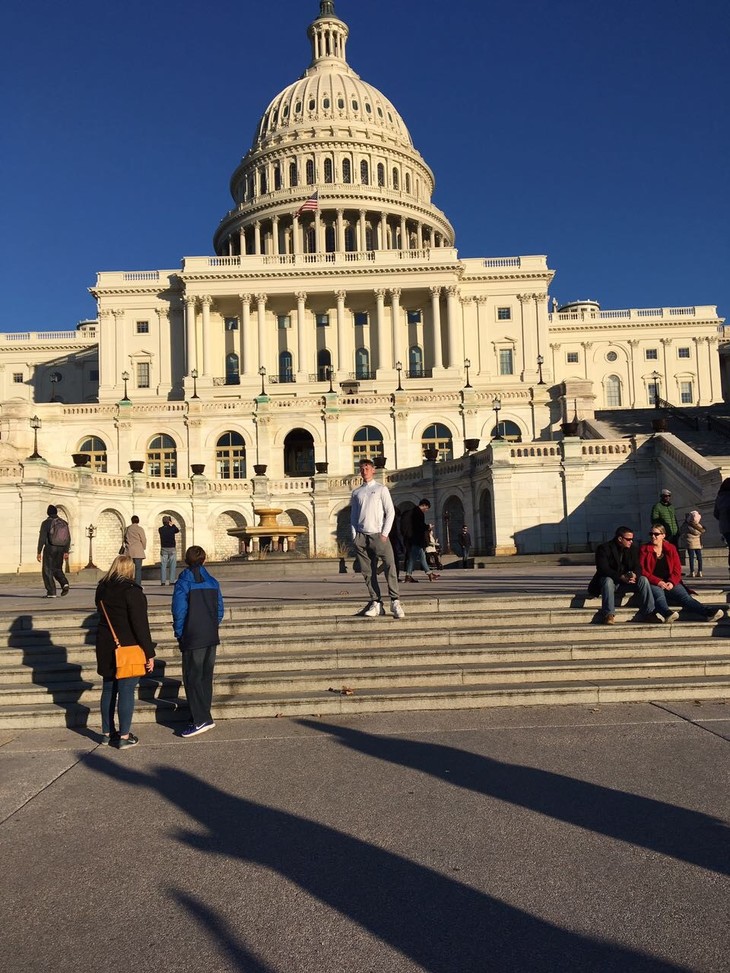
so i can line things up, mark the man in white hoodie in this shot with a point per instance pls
(371, 518)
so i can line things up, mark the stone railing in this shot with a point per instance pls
(425, 255)
(25, 337)
(661, 313)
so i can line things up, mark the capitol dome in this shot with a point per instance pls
(331, 136)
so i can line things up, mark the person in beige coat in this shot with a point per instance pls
(135, 543)
(690, 536)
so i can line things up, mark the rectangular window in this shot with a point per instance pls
(651, 354)
(143, 327)
(17, 377)
(685, 393)
(504, 313)
(361, 319)
(653, 393)
(283, 321)
(231, 324)
(506, 365)
(143, 375)
(572, 357)
(683, 353)
(414, 317)
(323, 320)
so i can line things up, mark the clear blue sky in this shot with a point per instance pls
(595, 131)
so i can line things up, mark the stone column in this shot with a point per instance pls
(340, 230)
(340, 359)
(109, 369)
(379, 331)
(248, 358)
(275, 234)
(297, 235)
(482, 365)
(456, 350)
(257, 237)
(541, 335)
(395, 315)
(164, 350)
(302, 373)
(361, 232)
(242, 240)
(191, 354)
(525, 337)
(403, 234)
(263, 344)
(503, 514)
(633, 344)
(206, 302)
(438, 362)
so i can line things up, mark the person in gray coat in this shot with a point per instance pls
(135, 543)
(722, 513)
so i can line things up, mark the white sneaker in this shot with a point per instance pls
(374, 610)
(397, 609)
(716, 616)
(672, 617)
(659, 617)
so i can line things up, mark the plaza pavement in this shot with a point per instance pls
(516, 839)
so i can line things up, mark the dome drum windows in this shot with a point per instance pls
(328, 171)
(346, 171)
(364, 173)
(310, 172)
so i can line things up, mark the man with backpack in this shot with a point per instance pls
(54, 540)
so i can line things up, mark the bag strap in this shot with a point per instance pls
(111, 627)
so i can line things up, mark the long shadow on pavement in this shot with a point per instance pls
(441, 924)
(687, 835)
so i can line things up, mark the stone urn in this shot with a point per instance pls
(471, 445)
(80, 459)
(432, 454)
(321, 467)
(379, 462)
(569, 428)
(136, 465)
(197, 468)
(259, 469)
(659, 425)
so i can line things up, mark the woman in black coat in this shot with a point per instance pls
(126, 605)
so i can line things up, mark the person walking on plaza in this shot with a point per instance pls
(618, 571)
(417, 541)
(135, 543)
(371, 518)
(661, 566)
(168, 550)
(122, 608)
(664, 513)
(465, 544)
(690, 537)
(721, 513)
(54, 541)
(197, 611)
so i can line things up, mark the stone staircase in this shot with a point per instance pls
(304, 658)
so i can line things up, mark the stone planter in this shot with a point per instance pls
(379, 462)
(471, 445)
(659, 425)
(569, 428)
(136, 465)
(321, 467)
(432, 454)
(197, 468)
(259, 469)
(80, 459)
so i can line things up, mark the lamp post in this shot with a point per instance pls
(90, 532)
(125, 379)
(331, 376)
(467, 366)
(540, 363)
(54, 378)
(399, 369)
(194, 376)
(657, 378)
(262, 373)
(35, 425)
(497, 405)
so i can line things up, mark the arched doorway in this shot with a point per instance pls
(452, 520)
(486, 523)
(299, 453)
(227, 546)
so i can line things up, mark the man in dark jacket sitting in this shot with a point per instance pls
(197, 611)
(618, 570)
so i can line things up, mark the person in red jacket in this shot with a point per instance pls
(661, 567)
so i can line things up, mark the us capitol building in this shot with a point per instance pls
(335, 320)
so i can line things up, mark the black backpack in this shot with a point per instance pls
(58, 533)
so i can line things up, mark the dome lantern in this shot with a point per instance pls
(328, 35)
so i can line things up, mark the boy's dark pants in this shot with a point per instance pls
(197, 670)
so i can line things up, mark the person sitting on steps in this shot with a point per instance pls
(660, 563)
(617, 572)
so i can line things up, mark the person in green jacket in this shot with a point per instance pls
(664, 514)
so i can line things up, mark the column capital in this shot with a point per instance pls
(206, 300)
(162, 312)
(666, 341)
(452, 290)
(557, 347)
(341, 295)
(191, 300)
(261, 299)
(301, 296)
(380, 293)
(435, 291)
(245, 299)
(539, 297)
(632, 342)
(395, 293)
(481, 298)
(524, 298)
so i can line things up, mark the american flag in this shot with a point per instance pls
(309, 205)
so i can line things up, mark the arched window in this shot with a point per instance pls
(233, 375)
(277, 177)
(437, 436)
(262, 182)
(310, 172)
(293, 174)
(346, 170)
(364, 173)
(362, 363)
(350, 239)
(230, 457)
(507, 430)
(310, 240)
(408, 182)
(395, 178)
(415, 362)
(328, 171)
(95, 448)
(324, 363)
(367, 443)
(330, 239)
(299, 453)
(613, 392)
(286, 367)
(381, 174)
(162, 457)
